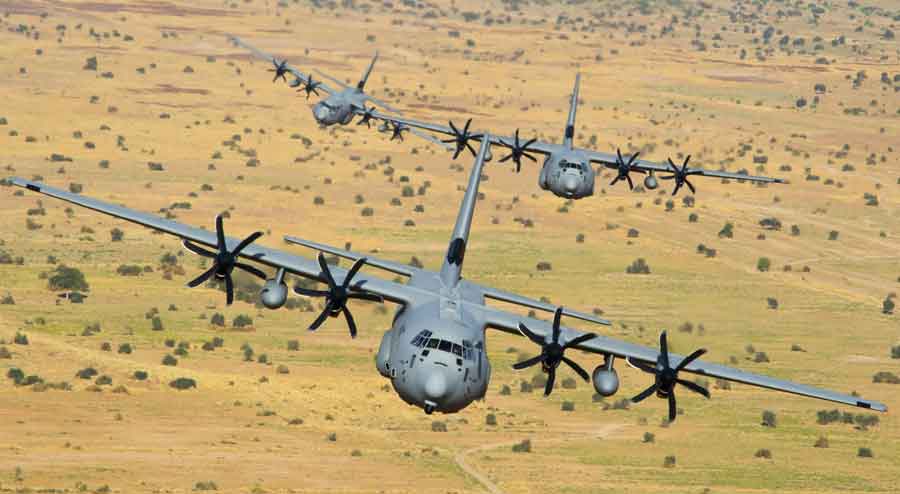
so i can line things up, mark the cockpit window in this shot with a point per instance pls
(445, 346)
(433, 343)
(457, 350)
(421, 338)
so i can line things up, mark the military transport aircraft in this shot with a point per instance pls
(567, 170)
(435, 351)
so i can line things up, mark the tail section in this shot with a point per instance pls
(451, 270)
(362, 82)
(573, 106)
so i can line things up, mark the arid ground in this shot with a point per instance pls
(146, 103)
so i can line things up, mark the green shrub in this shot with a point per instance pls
(522, 447)
(156, 324)
(865, 453)
(490, 419)
(103, 380)
(639, 266)
(763, 453)
(15, 374)
(649, 437)
(293, 345)
(822, 442)
(66, 278)
(217, 319)
(140, 375)
(125, 348)
(768, 419)
(170, 360)
(886, 377)
(669, 461)
(763, 264)
(438, 426)
(20, 339)
(86, 373)
(242, 321)
(568, 406)
(183, 383)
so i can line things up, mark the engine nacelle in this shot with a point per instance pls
(273, 294)
(606, 380)
(650, 182)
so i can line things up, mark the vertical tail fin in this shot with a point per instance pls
(362, 82)
(573, 106)
(452, 268)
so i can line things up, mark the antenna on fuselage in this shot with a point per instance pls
(451, 270)
(573, 106)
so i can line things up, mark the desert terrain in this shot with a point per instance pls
(146, 103)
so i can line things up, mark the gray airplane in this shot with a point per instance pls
(567, 170)
(435, 353)
(340, 105)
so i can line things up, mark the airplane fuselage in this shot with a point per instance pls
(338, 108)
(568, 175)
(434, 355)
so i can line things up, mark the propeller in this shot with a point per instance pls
(280, 69)
(397, 131)
(552, 352)
(368, 114)
(310, 86)
(224, 261)
(667, 377)
(625, 168)
(336, 296)
(517, 150)
(461, 138)
(680, 175)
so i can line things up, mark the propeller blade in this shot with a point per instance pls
(353, 270)
(203, 277)
(530, 335)
(197, 249)
(551, 378)
(642, 366)
(371, 297)
(557, 316)
(326, 271)
(577, 368)
(506, 158)
(252, 270)
(220, 233)
(528, 362)
(664, 348)
(645, 393)
(690, 186)
(247, 241)
(299, 290)
(615, 180)
(673, 409)
(229, 290)
(693, 387)
(319, 320)
(630, 183)
(690, 358)
(579, 340)
(532, 158)
(677, 186)
(633, 157)
(350, 322)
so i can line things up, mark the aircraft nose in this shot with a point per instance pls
(319, 111)
(570, 183)
(436, 386)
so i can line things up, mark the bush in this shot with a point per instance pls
(763, 264)
(103, 380)
(639, 266)
(544, 266)
(156, 323)
(490, 419)
(822, 442)
(293, 345)
(772, 303)
(7, 300)
(217, 319)
(865, 453)
(170, 360)
(15, 374)
(886, 377)
(693, 218)
(522, 447)
(569, 383)
(5, 353)
(568, 406)
(649, 437)
(20, 339)
(129, 270)
(263, 358)
(209, 485)
(116, 235)
(86, 373)
(183, 383)
(669, 462)
(66, 278)
(760, 358)
(106, 346)
(887, 307)
(727, 231)
(763, 453)
(833, 235)
(242, 321)
(768, 419)
(140, 375)
(438, 426)
(895, 351)
(505, 390)
(283, 369)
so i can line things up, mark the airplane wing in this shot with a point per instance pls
(509, 323)
(610, 161)
(307, 268)
(508, 142)
(304, 78)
